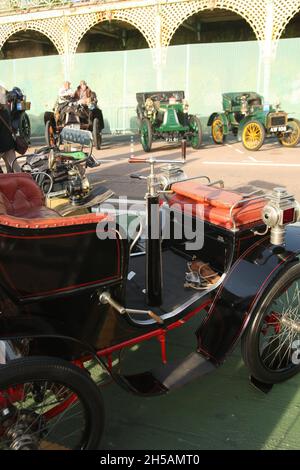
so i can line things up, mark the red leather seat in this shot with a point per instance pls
(22, 205)
(216, 204)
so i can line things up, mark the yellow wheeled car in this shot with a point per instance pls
(246, 116)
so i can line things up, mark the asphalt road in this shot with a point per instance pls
(272, 166)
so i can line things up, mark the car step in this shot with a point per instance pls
(177, 374)
(170, 376)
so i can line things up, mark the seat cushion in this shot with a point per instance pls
(22, 205)
(19, 194)
(248, 213)
(207, 194)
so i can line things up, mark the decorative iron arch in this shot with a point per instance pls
(140, 18)
(52, 29)
(254, 12)
(291, 8)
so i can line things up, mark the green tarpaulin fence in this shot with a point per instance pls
(204, 71)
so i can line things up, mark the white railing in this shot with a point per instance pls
(16, 5)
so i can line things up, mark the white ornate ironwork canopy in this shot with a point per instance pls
(65, 22)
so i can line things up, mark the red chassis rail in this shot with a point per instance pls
(16, 393)
(160, 334)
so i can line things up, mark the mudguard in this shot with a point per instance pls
(223, 118)
(211, 118)
(247, 282)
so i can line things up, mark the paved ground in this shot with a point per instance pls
(273, 165)
(221, 411)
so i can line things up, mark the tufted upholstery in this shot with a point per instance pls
(22, 205)
(216, 204)
(19, 194)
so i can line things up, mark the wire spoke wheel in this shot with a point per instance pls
(217, 131)
(271, 346)
(48, 404)
(292, 137)
(253, 135)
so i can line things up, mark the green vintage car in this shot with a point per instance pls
(163, 115)
(246, 116)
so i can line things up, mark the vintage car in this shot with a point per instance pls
(246, 116)
(60, 171)
(18, 105)
(75, 115)
(77, 290)
(163, 115)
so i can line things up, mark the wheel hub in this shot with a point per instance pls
(21, 429)
(292, 324)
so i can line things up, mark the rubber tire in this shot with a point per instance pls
(224, 136)
(196, 120)
(146, 146)
(250, 338)
(263, 131)
(298, 140)
(35, 368)
(24, 123)
(97, 138)
(47, 134)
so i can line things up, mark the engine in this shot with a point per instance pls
(59, 176)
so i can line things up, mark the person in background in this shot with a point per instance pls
(83, 94)
(65, 92)
(7, 142)
(86, 97)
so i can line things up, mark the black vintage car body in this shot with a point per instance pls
(72, 114)
(18, 105)
(84, 289)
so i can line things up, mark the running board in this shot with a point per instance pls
(170, 376)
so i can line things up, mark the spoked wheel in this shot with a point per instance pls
(253, 135)
(25, 127)
(271, 343)
(196, 139)
(49, 134)
(146, 134)
(292, 137)
(48, 404)
(97, 137)
(217, 131)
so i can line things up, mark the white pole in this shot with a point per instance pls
(158, 52)
(267, 49)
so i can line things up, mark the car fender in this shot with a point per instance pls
(242, 124)
(211, 118)
(27, 335)
(246, 283)
(223, 118)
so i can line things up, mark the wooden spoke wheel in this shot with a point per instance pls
(292, 137)
(196, 139)
(253, 135)
(217, 131)
(146, 134)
